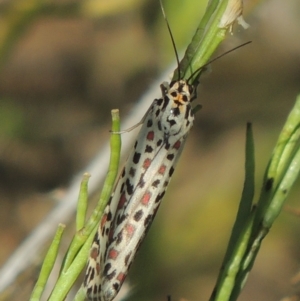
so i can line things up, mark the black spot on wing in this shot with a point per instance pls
(187, 112)
(170, 157)
(136, 157)
(109, 216)
(159, 142)
(121, 219)
(159, 101)
(159, 197)
(167, 144)
(116, 286)
(92, 273)
(119, 237)
(156, 183)
(107, 267)
(111, 275)
(138, 215)
(149, 123)
(176, 111)
(159, 125)
(89, 291)
(171, 171)
(141, 181)
(171, 122)
(149, 149)
(166, 102)
(129, 187)
(132, 172)
(148, 220)
(95, 289)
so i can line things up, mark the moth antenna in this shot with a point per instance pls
(218, 57)
(172, 38)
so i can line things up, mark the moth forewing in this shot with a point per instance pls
(139, 190)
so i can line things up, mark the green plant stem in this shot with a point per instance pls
(207, 38)
(82, 202)
(75, 259)
(281, 174)
(241, 231)
(47, 265)
(67, 278)
(115, 145)
(93, 222)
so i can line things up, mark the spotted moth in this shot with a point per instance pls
(140, 187)
(139, 190)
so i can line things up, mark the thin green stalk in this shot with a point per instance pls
(67, 278)
(82, 202)
(77, 254)
(47, 265)
(227, 282)
(241, 231)
(93, 222)
(80, 236)
(281, 174)
(207, 38)
(282, 169)
(115, 145)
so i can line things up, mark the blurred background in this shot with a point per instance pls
(66, 64)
